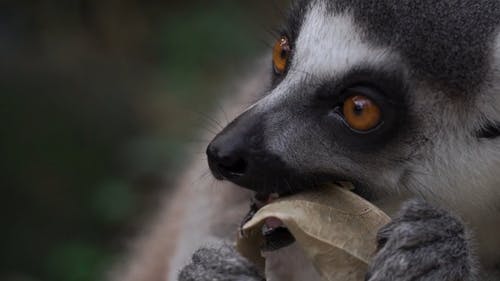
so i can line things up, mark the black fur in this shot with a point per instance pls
(448, 42)
(490, 131)
(295, 19)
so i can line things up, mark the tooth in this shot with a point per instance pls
(272, 197)
(266, 229)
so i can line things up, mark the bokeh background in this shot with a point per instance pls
(98, 101)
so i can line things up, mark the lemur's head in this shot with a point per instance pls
(393, 95)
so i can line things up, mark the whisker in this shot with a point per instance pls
(210, 119)
(221, 108)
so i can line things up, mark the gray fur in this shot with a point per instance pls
(219, 263)
(423, 243)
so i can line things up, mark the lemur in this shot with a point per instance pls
(399, 97)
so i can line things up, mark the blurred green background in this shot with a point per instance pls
(98, 101)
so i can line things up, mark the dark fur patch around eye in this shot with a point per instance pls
(490, 131)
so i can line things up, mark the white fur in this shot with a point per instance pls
(328, 45)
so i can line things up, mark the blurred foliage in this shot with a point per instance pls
(98, 99)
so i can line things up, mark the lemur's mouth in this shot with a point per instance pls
(275, 233)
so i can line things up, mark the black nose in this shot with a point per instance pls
(238, 154)
(226, 162)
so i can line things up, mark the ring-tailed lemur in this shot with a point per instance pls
(399, 97)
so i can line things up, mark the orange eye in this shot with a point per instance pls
(361, 113)
(281, 54)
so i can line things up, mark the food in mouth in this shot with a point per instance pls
(276, 235)
(334, 227)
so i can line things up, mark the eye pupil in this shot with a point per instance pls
(284, 54)
(358, 108)
(361, 113)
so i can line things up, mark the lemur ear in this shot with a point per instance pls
(490, 131)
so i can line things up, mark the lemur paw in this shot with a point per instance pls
(423, 243)
(221, 263)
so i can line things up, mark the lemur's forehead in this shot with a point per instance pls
(330, 44)
(445, 41)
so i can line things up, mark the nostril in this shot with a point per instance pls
(233, 167)
(226, 164)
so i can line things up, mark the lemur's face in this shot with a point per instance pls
(371, 95)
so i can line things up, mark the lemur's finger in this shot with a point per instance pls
(220, 263)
